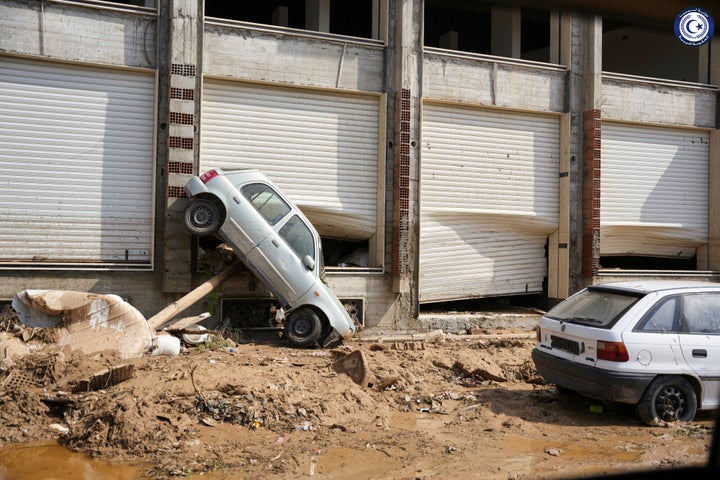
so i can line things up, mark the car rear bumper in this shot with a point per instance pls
(591, 381)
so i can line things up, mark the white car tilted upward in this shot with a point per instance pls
(276, 242)
(654, 344)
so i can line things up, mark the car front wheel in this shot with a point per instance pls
(668, 399)
(303, 327)
(202, 217)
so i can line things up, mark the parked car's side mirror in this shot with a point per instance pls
(309, 262)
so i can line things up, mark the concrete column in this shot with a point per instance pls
(181, 89)
(579, 52)
(405, 85)
(505, 31)
(591, 64)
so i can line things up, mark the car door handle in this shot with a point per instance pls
(699, 353)
(274, 242)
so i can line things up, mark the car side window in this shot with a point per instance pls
(298, 236)
(266, 201)
(661, 318)
(701, 313)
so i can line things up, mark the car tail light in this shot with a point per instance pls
(209, 175)
(612, 351)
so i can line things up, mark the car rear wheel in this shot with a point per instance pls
(202, 217)
(303, 327)
(668, 399)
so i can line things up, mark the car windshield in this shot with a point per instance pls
(594, 307)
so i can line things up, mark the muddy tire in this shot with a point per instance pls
(203, 217)
(303, 327)
(668, 399)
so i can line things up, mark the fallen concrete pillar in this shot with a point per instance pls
(192, 297)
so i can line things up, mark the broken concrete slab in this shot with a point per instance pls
(355, 366)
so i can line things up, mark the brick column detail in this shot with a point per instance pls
(592, 129)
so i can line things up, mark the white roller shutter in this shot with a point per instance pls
(76, 152)
(489, 200)
(321, 148)
(654, 191)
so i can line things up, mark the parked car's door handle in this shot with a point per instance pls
(699, 353)
(274, 242)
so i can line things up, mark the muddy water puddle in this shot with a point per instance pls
(50, 461)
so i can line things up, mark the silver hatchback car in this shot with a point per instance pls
(277, 243)
(654, 344)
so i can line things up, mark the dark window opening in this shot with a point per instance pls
(468, 26)
(648, 52)
(535, 35)
(139, 3)
(508, 304)
(336, 253)
(283, 13)
(345, 253)
(351, 18)
(344, 18)
(648, 263)
(464, 26)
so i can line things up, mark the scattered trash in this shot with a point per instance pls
(207, 421)
(195, 338)
(596, 409)
(436, 336)
(166, 344)
(61, 429)
(554, 452)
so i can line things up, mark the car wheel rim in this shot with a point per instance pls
(302, 326)
(201, 216)
(670, 404)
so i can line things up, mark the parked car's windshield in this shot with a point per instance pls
(594, 307)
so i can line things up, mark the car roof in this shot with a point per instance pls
(647, 286)
(247, 173)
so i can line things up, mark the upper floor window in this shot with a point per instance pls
(352, 18)
(489, 28)
(651, 52)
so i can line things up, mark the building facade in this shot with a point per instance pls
(445, 150)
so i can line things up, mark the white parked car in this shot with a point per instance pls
(276, 242)
(654, 344)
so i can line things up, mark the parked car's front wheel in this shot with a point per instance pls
(303, 327)
(202, 217)
(668, 398)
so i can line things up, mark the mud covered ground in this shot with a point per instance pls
(451, 408)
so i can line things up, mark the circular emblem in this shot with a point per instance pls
(694, 26)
